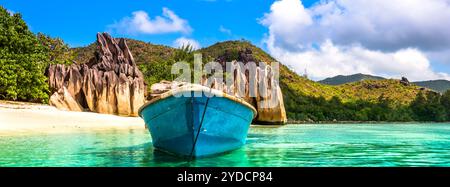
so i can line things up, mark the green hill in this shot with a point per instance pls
(231, 49)
(142, 52)
(437, 85)
(371, 90)
(365, 90)
(343, 79)
(367, 100)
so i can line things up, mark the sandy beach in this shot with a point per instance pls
(23, 118)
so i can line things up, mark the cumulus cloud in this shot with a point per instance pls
(182, 41)
(141, 23)
(224, 30)
(392, 38)
(386, 25)
(328, 60)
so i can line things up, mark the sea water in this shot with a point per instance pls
(353, 145)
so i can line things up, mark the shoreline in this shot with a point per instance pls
(19, 118)
(361, 122)
(31, 118)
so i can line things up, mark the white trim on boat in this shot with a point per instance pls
(198, 88)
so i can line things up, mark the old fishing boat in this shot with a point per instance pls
(197, 121)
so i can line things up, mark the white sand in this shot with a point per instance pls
(24, 118)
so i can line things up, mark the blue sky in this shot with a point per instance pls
(390, 38)
(76, 22)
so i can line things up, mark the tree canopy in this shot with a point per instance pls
(22, 61)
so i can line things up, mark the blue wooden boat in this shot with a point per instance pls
(197, 121)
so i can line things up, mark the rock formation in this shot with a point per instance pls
(64, 101)
(405, 81)
(110, 83)
(270, 105)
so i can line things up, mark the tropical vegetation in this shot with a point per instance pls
(24, 57)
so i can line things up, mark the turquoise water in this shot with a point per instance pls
(291, 145)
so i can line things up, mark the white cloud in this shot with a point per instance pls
(329, 60)
(387, 25)
(224, 30)
(392, 38)
(10, 12)
(286, 21)
(182, 41)
(141, 23)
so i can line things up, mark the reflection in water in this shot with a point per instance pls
(292, 145)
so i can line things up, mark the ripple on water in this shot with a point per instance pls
(291, 145)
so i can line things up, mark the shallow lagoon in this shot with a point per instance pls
(290, 145)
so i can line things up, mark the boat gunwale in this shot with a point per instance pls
(197, 88)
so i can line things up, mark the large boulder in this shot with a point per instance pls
(63, 100)
(137, 93)
(123, 96)
(267, 97)
(405, 81)
(270, 106)
(109, 83)
(163, 87)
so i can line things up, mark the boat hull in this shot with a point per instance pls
(197, 126)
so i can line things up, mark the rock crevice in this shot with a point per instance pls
(110, 83)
